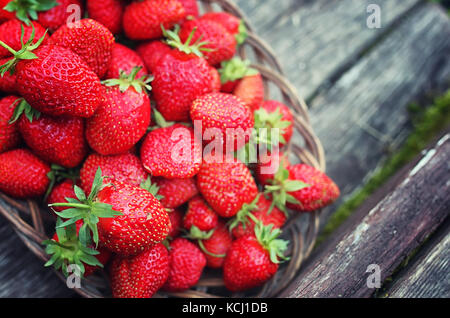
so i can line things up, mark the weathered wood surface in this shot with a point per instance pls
(387, 234)
(428, 274)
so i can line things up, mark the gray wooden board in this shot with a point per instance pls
(386, 235)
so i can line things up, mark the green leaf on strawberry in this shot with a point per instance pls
(28, 9)
(268, 238)
(173, 40)
(235, 69)
(196, 234)
(126, 81)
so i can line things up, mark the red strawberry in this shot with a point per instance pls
(268, 165)
(186, 264)
(8, 81)
(123, 116)
(10, 33)
(260, 210)
(142, 20)
(226, 186)
(216, 85)
(200, 215)
(172, 152)
(190, 7)
(9, 133)
(221, 44)
(60, 192)
(124, 218)
(107, 12)
(60, 14)
(140, 276)
(176, 220)
(216, 246)
(176, 192)
(92, 41)
(273, 114)
(22, 174)
(125, 59)
(72, 250)
(224, 112)
(262, 253)
(5, 15)
(251, 90)
(56, 140)
(151, 52)
(125, 168)
(232, 71)
(233, 24)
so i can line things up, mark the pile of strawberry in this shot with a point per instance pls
(86, 128)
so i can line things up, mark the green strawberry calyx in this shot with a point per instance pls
(28, 9)
(87, 208)
(196, 234)
(268, 238)
(173, 40)
(236, 69)
(70, 249)
(242, 36)
(264, 119)
(58, 174)
(245, 214)
(23, 107)
(281, 189)
(152, 188)
(25, 53)
(126, 81)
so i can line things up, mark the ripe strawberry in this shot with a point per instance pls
(233, 24)
(273, 114)
(186, 264)
(251, 90)
(224, 112)
(216, 246)
(8, 81)
(140, 276)
(67, 248)
(125, 59)
(126, 168)
(55, 140)
(4, 14)
(226, 186)
(107, 12)
(123, 116)
(220, 43)
(22, 174)
(60, 192)
(232, 71)
(176, 220)
(216, 85)
(190, 7)
(9, 133)
(151, 52)
(92, 41)
(124, 218)
(59, 15)
(200, 215)
(172, 152)
(142, 20)
(10, 33)
(268, 165)
(176, 192)
(262, 253)
(260, 210)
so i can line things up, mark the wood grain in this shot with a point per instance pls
(388, 233)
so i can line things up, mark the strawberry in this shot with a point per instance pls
(232, 71)
(9, 133)
(260, 210)
(124, 218)
(59, 15)
(142, 20)
(226, 186)
(151, 52)
(191, 8)
(262, 253)
(107, 12)
(216, 84)
(220, 43)
(140, 276)
(186, 264)
(10, 34)
(226, 113)
(233, 24)
(60, 192)
(125, 59)
(56, 140)
(125, 168)
(54, 80)
(8, 81)
(273, 114)
(172, 152)
(176, 192)
(176, 220)
(216, 246)
(123, 116)
(92, 41)
(4, 14)
(67, 248)
(268, 165)
(200, 215)
(251, 90)
(22, 174)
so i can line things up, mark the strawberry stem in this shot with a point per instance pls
(28, 9)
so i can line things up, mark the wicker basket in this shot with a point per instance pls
(31, 221)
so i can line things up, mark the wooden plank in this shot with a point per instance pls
(317, 40)
(428, 274)
(387, 234)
